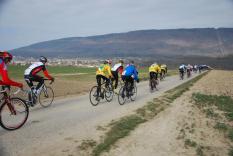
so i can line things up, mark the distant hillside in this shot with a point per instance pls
(171, 43)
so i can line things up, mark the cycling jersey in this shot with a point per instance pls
(36, 68)
(118, 67)
(5, 79)
(130, 70)
(182, 68)
(104, 70)
(154, 68)
(163, 66)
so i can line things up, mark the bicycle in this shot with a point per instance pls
(125, 92)
(13, 111)
(45, 95)
(162, 75)
(153, 84)
(106, 92)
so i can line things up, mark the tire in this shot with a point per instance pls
(122, 95)
(133, 97)
(93, 95)
(46, 97)
(21, 115)
(108, 93)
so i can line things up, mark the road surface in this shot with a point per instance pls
(59, 129)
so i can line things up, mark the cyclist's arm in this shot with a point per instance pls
(120, 70)
(7, 81)
(109, 71)
(46, 74)
(135, 74)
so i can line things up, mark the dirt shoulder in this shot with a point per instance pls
(182, 128)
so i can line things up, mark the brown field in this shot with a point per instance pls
(185, 128)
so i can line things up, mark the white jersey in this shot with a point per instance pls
(116, 66)
(182, 67)
(34, 68)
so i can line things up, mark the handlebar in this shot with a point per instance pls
(49, 80)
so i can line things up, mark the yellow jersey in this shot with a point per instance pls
(154, 68)
(104, 70)
(163, 66)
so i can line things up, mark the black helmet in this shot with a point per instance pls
(43, 59)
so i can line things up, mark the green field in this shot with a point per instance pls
(17, 72)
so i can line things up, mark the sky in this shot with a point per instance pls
(24, 22)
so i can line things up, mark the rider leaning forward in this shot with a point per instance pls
(5, 58)
(31, 73)
(103, 72)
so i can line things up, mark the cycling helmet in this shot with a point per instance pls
(6, 55)
(121, 61)
(43, 59)
(108, 62)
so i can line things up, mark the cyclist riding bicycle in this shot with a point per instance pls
(189, 69)
(129, 75)
(31, 72)
(117, 68)
(103, 72)
(182, 69)
(5, 58)
(154, 70)
(163, 70)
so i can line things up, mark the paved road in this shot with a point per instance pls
(59, 129)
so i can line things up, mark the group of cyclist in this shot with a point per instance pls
(188, 69)
(109, 73)
(30, 74)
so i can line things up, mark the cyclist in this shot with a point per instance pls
(163, 70)
(31, 72)
(5, 58)
(103, 72)
(189, 69)
(117, 68)
(182, 69)
(154, 70)
(129, 75)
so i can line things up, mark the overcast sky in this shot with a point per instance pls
(23, 22)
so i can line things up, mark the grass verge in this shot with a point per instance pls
(122, 128)
(210, 104)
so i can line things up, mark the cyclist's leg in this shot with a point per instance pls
(98, 80)
(38, 79)
(28, 81)
(116, 79)
(131, 81)
(151, 77)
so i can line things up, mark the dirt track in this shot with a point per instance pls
(167, 132)
(60, 129)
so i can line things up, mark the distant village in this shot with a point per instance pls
(60, 61)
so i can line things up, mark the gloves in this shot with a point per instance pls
(21, 85)
(137, 80)
(52, 79)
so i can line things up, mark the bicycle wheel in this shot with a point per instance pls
(46, 96)
(93, 96)
(134, 92)
(122, 95)
(13, 115)
(108, 94)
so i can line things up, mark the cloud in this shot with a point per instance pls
(29, 21)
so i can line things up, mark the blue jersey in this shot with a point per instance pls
(130, 70)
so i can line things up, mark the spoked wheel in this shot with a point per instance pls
(109, 94)
(93, 96)
(46, 96)
(122, 95)
(14, 115)
(134, 93)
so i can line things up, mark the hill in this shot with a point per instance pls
(202, 45)
(208, 42)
